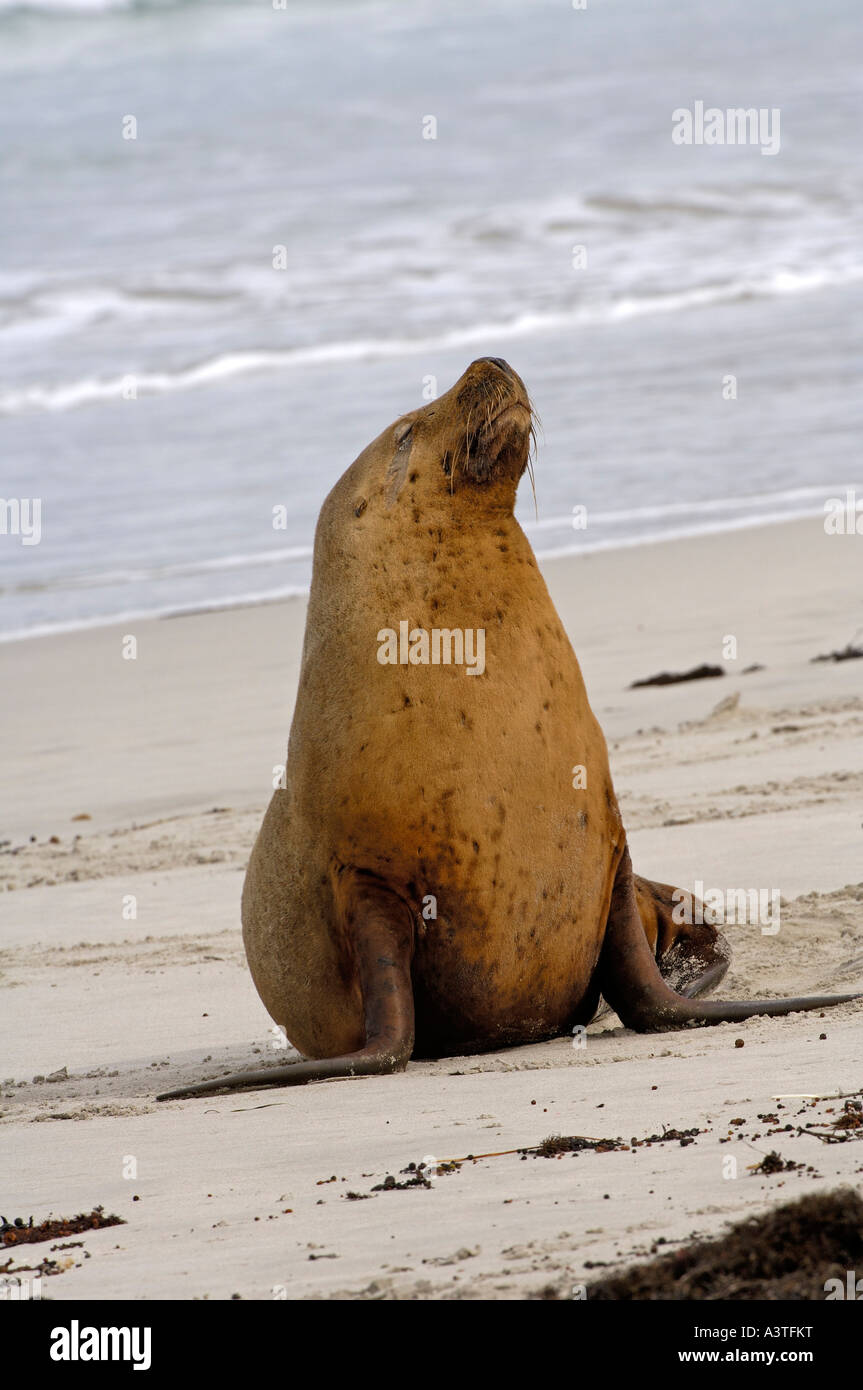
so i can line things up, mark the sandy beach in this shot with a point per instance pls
(132, 794)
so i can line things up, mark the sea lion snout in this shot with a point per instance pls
(494, 422)
(489, 375)
(497, 362)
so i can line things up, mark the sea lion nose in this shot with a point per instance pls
(498, 362)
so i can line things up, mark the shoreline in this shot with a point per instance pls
(301, 591)
(630, 613)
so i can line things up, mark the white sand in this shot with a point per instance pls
(766, 794)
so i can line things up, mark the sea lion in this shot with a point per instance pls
(446, 869)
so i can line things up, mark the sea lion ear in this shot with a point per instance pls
(402, 430)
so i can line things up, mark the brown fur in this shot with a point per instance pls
(430, 780)
(410, 781)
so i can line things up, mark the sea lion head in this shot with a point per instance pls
(478, 435)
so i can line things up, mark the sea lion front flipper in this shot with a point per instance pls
(692, 955)
(630, 980)
(381, 929)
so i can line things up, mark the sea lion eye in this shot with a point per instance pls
(402, 431)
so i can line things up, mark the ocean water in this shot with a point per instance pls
(150, 261)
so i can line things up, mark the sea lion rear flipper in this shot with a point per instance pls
(692, 955)
(631, 981)
(382, 931)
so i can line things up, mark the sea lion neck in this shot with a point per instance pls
(476, 507)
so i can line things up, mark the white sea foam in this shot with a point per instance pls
(74, 7)
(55, 311)
(224, 366)
(679, 533)
(110, 579)
(145, 614)
(772, 502)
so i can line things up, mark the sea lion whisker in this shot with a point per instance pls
(530, 474)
